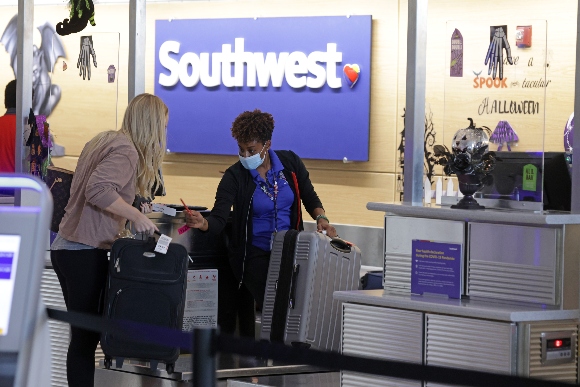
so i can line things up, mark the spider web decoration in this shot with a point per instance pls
(456, 65)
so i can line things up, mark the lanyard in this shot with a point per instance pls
(273, 197)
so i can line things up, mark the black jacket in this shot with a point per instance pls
(237, 189)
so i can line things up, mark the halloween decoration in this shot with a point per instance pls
(429, 162)
(470, 160)
(456, 65)
(494, 57)
(524, 36)
(84, 62)
(503, 133)
(46, 95)
(39, 145)
(111, 74)
(568, 137)
(81, 13)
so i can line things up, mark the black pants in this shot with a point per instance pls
(256, 273)
(82, 275)
(235, 304)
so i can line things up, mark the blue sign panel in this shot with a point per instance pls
(311, 73)
(6, 264)
(436, 268)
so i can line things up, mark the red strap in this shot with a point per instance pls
(299, 203)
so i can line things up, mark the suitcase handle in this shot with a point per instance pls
(292, 298)
(341, 245)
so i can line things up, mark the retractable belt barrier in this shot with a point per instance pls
(205, 343)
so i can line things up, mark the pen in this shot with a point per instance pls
(185, 207)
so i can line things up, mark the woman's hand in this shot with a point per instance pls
(195, 219)
(323, 225)
(142, 224)
(146, 207)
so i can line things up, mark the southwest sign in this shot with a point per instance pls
(311, 73)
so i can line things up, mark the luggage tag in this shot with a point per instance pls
(163, 244)
(163, 208)
(183, 229)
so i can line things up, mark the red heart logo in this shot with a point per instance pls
(351, 72)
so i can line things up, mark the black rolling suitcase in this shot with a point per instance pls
(146, 287)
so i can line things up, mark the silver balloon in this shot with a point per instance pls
(469, 140)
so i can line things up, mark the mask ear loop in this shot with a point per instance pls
(264, 147)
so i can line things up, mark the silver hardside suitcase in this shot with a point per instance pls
(299, 308)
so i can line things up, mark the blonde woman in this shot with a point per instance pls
(113, 167)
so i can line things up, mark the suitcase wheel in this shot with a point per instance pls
(170, 368)
(108, 362)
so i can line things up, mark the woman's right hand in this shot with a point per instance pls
(195, 219)
(144, 225)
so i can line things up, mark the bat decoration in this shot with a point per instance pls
(81, 13)
(46, 95)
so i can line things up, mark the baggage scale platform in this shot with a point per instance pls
(232, 370)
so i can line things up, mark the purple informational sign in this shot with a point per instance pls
(311, 73)
(436, 268)
(5, 265)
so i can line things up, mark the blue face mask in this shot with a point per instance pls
(254, 161)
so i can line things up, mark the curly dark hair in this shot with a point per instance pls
(253, 126)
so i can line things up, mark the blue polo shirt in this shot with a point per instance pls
(263, 216)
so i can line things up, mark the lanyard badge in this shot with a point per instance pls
(273, 196)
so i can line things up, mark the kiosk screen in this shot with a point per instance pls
(9, 247)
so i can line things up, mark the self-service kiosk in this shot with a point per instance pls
(24, 336)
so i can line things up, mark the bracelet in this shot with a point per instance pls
(321, 216)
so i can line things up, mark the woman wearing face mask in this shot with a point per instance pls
(266, 189)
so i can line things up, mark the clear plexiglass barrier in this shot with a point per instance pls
(497, 77)
(83, 90)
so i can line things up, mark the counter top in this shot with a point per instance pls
(227, 366)
(456, 307)
(487, 215)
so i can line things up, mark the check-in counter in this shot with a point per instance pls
(519, 295)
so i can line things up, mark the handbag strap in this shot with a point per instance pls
(295, 179)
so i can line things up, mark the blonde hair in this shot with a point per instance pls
(144, 124)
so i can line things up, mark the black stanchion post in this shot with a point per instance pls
(203, 357)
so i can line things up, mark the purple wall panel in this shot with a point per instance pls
(320, 123)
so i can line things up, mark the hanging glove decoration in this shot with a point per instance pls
(84, 62)
(81, 12)
(39, 145)
(494, 57)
